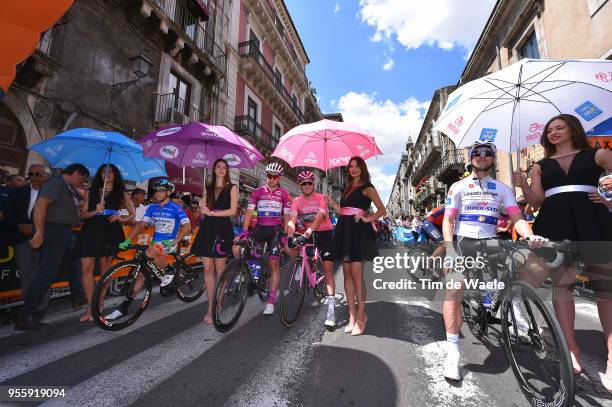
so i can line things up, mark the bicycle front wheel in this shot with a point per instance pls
(121, 296)
(293, 290)
(230, 295)
(193, 287)
(536, 348)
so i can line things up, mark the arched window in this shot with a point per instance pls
(13, 143)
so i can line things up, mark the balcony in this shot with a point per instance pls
(278, 37)
(170, 109)
(255, 66)
(256, 134)
(452, 166)
(176, 15)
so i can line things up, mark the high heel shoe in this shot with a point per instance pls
(360, 326)
(606, 378)
(349, 327)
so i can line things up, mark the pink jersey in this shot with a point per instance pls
(308, 208)
(270, 205)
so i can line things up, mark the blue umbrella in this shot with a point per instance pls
(93, 148)
(602, 129)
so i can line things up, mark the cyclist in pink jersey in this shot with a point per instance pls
(273, 204)
(314, 213)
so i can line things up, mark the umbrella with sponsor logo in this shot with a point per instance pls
(199, 145)
(325, 144)
(510, 107)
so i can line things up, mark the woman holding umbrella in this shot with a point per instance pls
(564, 185)
(221, 205)
(102, 227)
(354, 228)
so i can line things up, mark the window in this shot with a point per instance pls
(252, 113)
(595, 6)
(294, 101)
(529, 49)
(278, 78)
(276, 135)
(181, 89)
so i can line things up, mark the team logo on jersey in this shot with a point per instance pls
(167, 132)
(232, 159)
(169, 151)
(278, 192)
(481, 218)
(471, 186)
(491, 185)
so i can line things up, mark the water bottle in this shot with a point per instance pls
(255, 269)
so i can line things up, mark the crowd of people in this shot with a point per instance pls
(66, 222)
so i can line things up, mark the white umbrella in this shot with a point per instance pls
(510, 107)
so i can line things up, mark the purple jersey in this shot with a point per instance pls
(270, 205)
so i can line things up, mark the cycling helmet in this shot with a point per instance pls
(478, 143)
(274, 169)
(164, 183)
(305, 176)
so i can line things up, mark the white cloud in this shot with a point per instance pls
(442, 23)
(391, 123)
(337, 8)
(388, 65)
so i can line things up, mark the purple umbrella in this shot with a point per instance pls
(199, 145)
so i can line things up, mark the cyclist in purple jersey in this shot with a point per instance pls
(273, 205)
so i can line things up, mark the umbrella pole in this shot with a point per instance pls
(106, 174)
(183, 175)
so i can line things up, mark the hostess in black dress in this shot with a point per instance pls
(215, 228)
(572, 215)
(98, 236)
(353, 240)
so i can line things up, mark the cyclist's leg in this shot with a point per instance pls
(274, 251)
(325, 246)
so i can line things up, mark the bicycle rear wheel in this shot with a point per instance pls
(230, 295)
(536, 348)
(115, 312)
(292, 292)
(193, 287)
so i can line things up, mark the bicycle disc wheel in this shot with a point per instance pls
(536, 348)
(118, 311)
(230, 295)
(292, 292)
(193, 287)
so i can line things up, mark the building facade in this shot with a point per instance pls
(547, 29)
(116, 65)
(268, 91)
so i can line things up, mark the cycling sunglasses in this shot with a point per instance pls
(271, 176)
(309, 183)
(482, 153)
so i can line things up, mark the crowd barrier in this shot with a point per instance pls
(10, 291)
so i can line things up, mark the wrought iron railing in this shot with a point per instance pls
(255, 133)
(189, 23)
(170, 108)
(250, 49)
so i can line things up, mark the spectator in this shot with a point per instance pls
(15, 181)
(55, 211)
(194, 213)
(139, 196)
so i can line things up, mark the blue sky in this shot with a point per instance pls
(379, 62)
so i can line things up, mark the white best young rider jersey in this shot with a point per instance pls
(475, 203)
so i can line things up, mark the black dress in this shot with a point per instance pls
(350, 236)
(98, 236)
(215, 228)
(572, 215)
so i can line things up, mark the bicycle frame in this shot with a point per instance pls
(312, 276)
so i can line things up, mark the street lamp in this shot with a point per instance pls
(140, 66)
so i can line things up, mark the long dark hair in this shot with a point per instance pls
(115, 197)
(210, 188)
(364, 176)
(579, 138)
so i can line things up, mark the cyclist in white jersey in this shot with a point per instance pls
(471, 213)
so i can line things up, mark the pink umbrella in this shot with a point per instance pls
(325, 144)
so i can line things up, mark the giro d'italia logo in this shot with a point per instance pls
(169, 152)
(232, 159)
(168, 131)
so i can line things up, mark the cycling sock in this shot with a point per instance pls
(452, 342)
(271, 297)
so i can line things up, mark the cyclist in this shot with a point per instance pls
(171, 225)
(313, 211)
(273, 205)
(471, 213)
(432, 225)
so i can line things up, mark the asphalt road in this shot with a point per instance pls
(170, 358)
